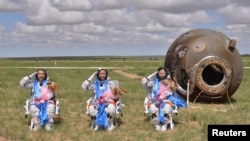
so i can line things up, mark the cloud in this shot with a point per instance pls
(72, 5)
(11, 5)
(2, 28)
(241, 33)
(180, 6)
(135, 23)
(102, 5)
(45, 13)
(236, 14)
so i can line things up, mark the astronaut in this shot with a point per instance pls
(160, 102)
(42, 104)
(105, 103)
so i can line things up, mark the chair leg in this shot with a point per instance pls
(171, 122)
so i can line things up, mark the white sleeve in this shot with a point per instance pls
(147, 79)
(152, 76)
(26, 82)
(92, 78)
(150, 83)
(149, 87)
(85, 85)
(144, 81)
(32, 76)
(88, 84)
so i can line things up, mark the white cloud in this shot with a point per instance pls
(110, 4)
(47, 14)
(139, 23)
(238, 28)
(152, 27)
(89, 28)
(235, 14)
(72, 5)
(241, 33)
(28, 29)
(179, 6)
(11, 5)
(241, 2)
(2, 28)
(182, 20)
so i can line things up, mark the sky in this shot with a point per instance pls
(34, 28)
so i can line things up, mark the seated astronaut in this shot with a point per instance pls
(160, 101)
(42, 104)
(105, 103)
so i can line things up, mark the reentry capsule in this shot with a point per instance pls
(208, 62)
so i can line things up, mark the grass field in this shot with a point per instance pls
(190, 124)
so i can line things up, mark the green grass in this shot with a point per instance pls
(190, 124)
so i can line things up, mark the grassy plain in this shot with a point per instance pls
(190, 124)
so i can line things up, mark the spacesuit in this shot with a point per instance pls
(42, 104)
(159, 102)
(103, 106)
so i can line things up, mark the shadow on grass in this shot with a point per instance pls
(118, 121)
(214, 101)
(175, 122)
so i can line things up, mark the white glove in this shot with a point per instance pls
(24, 81)
(148, 78)
(150, 84)
(92, 77)
(144, 81)
(32, 76)
(152, 76)
(85, 84)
